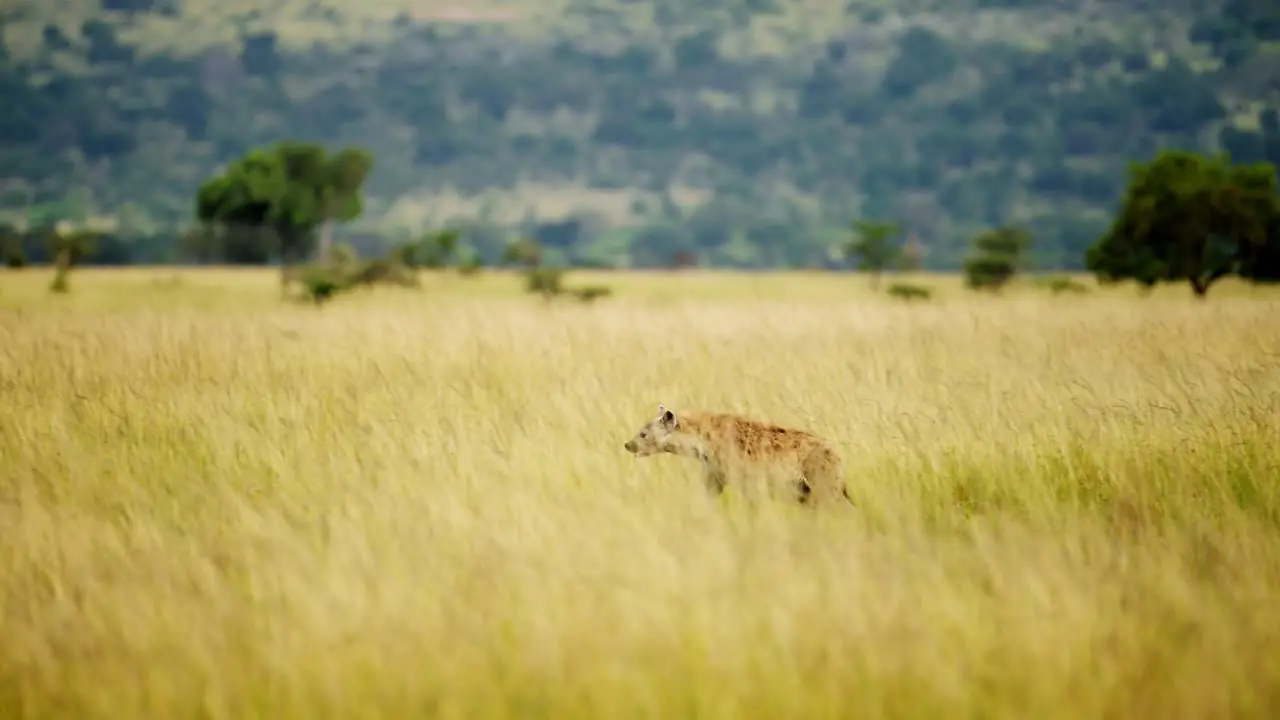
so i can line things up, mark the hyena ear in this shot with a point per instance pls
(668, 417)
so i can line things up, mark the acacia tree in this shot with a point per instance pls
(872, 244)
(1188, 217)
(277, 198)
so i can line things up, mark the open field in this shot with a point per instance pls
(216, 504)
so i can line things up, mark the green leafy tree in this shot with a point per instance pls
(872, 244)
(284, 195)
(996, 257)
(68, 249)
(1260, 263)
(1193, 218)
(340, 187)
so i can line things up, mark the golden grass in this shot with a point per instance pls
(215, 504)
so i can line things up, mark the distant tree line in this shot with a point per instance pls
(1183, 217)
(892, 116)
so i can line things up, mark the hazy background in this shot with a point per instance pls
(749, 132)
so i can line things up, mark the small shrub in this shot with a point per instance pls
(591, 293)
(381, 272)
(525, 251)
(907, 291)
(987, 273)
(343, 255)
(15, 258)
(545, 281)
(997, 256)
(406, 255)
(436, 248)
(322, 284)
(1059, 284)
(470, 263)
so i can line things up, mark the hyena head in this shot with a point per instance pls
(654, 437)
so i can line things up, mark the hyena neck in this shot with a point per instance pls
(686, 445)
(688, 440)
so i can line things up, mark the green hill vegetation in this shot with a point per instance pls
(747, 133)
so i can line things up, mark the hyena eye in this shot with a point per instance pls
(644, 434)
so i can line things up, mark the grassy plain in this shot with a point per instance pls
(215, 504)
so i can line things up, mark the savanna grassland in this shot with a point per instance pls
(405, 504)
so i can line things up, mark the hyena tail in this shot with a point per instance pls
(845, 493)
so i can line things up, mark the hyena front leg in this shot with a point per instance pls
(715, 479)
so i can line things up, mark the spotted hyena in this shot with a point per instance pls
(730, 444)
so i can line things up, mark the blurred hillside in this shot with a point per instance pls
(749, 132)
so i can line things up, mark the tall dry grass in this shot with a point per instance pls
(411, 505)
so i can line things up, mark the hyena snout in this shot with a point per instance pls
(631, 446)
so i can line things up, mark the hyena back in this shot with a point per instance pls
(726, 443)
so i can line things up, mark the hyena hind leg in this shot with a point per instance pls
(821, 480)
